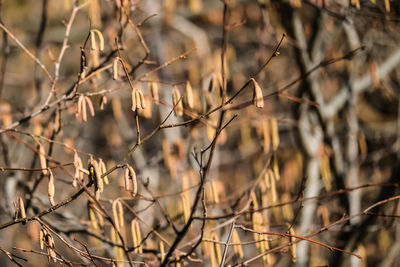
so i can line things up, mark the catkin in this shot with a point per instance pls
(387, 6)
(254, 200)
(21, 208)
(216, 255)
(274, 133)
(266, 136)
(130, 180)
(195, 6)
(154, 91)
(162, 251)
(325, 169)
(142, 100)
(287, 210)
(93, 219)
(274, 195)
(136, 236)
(275, 167)
(292, 247)
(214, 192)
(185, 207)
(115, 214)
(94, 173)
(138, 101)
(78, 174)
(120, 211)
(103, 170)
(237, 247)
(189, 95)
(115, 68)
(51, 188)
(90, 105)
(82, 108)
(93, 39)
(41, 238)
(258, 99)
(42, 159)
(176, 97)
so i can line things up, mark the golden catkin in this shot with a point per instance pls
(115, 213)
(296, 3)
(292, 246)
(185, 207)
(216, 254)
(138, 101)
(115, 68)
(325, 169)
(214, 191)
(90, 105)
(237, 247)
(257, 226)
(120, 211)
(41, 238)
(162, 251)
(195, 6)
(21, 208)
(130, 180)
(78, 165)
(154, 91)
(82, 108)
(42, 159)
(387, 6)
(254, 200)
(93, 219)
(274, 133)
(51, 188)
(136, 236)
(189, 95)
(287, 210)
(274, 194)
(94, 175)
(103, 171)
(258, 99)
(142, 100)
(324, 213)
(275, 167)
(176, 101)
(266, 136)
(93, 42)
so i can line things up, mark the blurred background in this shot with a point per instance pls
(311, 162)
